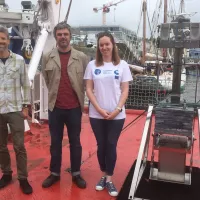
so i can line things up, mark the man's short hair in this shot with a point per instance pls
(61, 25)
(5, 31)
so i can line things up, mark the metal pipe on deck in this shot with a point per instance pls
(37, 53)
(165, 21)
(67, 15)
(176, 91)
(144, 9)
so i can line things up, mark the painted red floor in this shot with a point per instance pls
(37, 146)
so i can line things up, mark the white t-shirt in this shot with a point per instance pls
(107, 80)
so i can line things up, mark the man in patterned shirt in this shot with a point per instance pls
(13, 80)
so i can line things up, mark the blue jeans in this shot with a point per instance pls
(72, 119)
(107, 133)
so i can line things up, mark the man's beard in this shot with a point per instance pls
(3, 48)
(65, 45)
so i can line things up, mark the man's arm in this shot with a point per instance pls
(85, 61)
(44, 73)
(25, 83)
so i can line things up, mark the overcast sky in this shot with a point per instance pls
(126, 13)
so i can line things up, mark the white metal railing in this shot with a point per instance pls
(142, 154)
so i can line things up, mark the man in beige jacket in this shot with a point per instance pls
(63, 69)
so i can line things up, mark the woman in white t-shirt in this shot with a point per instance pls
(107, 86)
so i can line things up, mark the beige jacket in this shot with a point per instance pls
(51, 69)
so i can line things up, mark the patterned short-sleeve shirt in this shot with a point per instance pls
(14, 84)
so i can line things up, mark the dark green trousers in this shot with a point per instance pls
(16, 123)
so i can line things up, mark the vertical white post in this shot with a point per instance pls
(37, 53)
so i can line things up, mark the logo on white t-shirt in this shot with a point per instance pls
(116, 72)
(97, 71)
(107, 72)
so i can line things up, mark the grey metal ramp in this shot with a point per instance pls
(172, 146)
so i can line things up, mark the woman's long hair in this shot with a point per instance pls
(115, 55)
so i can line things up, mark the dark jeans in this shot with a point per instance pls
(72, 119)
(16, 123)
(107, 133)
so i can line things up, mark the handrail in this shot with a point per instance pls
(199, 127)
(142, 151)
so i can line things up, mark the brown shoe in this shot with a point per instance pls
(5, 180)
(25, 186)
(79, 181)
(50, 180)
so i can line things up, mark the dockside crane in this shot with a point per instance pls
(106, 9)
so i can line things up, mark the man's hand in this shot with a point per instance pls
(25, 112)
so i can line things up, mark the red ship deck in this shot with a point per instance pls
(38, 143)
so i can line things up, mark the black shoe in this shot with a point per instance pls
(50, 180)
(25, 186)
(5, 180)
(79, 181)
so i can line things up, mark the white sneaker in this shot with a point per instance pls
(111, 189)
(101, 184)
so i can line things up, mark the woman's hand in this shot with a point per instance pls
(112, 115)
(103, 113)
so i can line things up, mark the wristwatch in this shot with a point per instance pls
(118, 108)
(25, 106)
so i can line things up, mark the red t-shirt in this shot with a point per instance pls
(66, 97)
